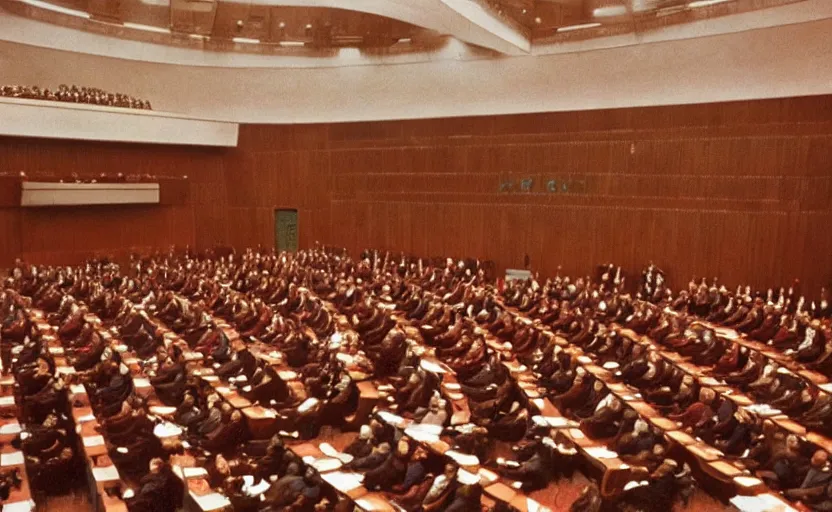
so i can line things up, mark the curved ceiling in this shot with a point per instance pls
(774, 52)
(317, 27)
(780, 53)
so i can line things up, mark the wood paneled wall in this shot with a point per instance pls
(742, 191)
(71, 234)
(739, 191)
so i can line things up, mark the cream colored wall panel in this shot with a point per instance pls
(57, 120)
(80, 194)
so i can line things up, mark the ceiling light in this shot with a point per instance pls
(292, 43)
(197, 36)
(148, 28)
(57, 8)
(705, 3)
(282, 24)
(247, 40)
(609, 11)
(308, 25)
(538, 20)
(404, 40)
(578, 27)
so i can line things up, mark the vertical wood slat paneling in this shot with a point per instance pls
(736, 191)
(739, 191)
(67, 235)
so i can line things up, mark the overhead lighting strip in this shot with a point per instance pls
(705, 3)
(582, 26)
(146, 28)
(57, 8)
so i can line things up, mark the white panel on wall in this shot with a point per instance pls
(79, 194)
(57, 120)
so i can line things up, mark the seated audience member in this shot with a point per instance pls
(160, 490)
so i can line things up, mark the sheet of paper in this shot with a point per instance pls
(10, 429)
(105, 474)
(19, 506)
(11, 459)
(91, 441)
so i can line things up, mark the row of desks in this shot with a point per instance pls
(786, 366)
(20, 500)
(101, 473)
(751, 490)
(612, 472)
(428, 436)
(425, 436)
(264, 420)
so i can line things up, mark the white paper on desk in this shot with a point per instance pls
(430, 366)
(223, 390)
(77, 389)
(611, 365)
(253, 489)
(211, 378)
(141, 382)
(533, 506)
(559, 422)
(463, 459)
(328, 450)
(584, 360)
(486, 474)
(213, 501)
(287, 375)
(19, 506)
(325, 465)
(166, 430)
(105, 474)
(467, 478)
(424, 433)
(91, 441)
(763, 409)
(344, 482)
(392, 419)
(86, 418)
(7, 381)
(6, 400)
(747, 481)
(56, 351)
(193, 472)
(600, 452)
(632, 484)
(766, 502)
(11, 459)
(65, 370)
(729, 334)
(10, 429)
